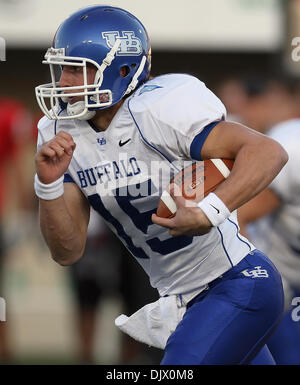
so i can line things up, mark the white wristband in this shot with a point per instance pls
(214, 208)
(49, 191)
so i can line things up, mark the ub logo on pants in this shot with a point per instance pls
(257, 272)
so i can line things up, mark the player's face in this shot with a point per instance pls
(73, 76)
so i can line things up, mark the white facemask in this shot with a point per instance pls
(53, 92)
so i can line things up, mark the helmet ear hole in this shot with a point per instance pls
(124, 71)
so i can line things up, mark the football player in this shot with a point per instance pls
(110, 139)
(272, 218)
(275, 214)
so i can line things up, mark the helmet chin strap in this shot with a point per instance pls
(134, 80)
(77, 108)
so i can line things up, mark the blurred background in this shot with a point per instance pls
(57, 315)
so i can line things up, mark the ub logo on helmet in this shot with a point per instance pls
(130, 44)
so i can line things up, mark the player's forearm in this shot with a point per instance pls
(256, 165)
(60, 231)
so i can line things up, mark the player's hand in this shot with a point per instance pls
(189, 219)
(53, 158)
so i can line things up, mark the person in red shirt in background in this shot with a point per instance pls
(15, 137)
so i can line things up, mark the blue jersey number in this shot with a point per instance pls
(136, 207)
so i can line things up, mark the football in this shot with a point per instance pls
(195, 182)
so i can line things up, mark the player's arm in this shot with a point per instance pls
(258, 159)
(63, 220)
(64, 223)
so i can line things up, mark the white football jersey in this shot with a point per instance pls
(123, 171)
(278, 235)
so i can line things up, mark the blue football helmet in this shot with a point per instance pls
(107, 37)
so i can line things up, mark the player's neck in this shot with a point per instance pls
(103, 118)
